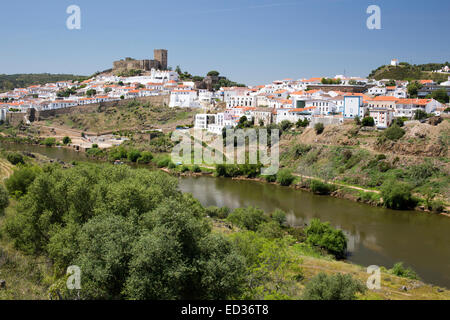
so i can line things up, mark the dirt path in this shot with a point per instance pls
(6, 169)
(336, 183)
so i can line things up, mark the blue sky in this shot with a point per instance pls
(249, 41)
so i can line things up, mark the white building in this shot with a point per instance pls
(376, 91)
(394, 62)
(184, 99)
(382, 116)
(353, 106)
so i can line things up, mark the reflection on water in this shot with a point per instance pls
(376, 235)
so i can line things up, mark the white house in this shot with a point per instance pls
(353, 106)
(184, 99)
(382, 116)
(376, 91)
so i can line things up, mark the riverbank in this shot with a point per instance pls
(357, 220)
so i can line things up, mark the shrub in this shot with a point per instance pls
(405, 272)
(320, 187)
(66, 140)
(4, 200)
(333, 287)
(368, 122)
(133, 155)
(323, 235)
(163, 162)
(301, 150)
(285, 177)
(94, 145)
(279, 216)
(18, 183)
(171, 165)
(15, 158)
(145, 157)
(394, 132)
(270, 178)
(249, 218)
(319, 127)
(216, 212)
(49, 142)
(196, 168)
(270, 230)
(184, 168)
(397, 195)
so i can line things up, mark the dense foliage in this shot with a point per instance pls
(333, 287)
(323, 235)
(132, 232)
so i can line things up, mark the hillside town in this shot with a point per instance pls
(310, 101)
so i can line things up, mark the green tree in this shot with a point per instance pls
(333, 287)
(319, 127)
(213, 73)
(413, 88)
(66, 140)
(285, 177)
(368, 122)
(18, 183)
(323, 235)
(397, 195)
(15, 158)
(4, 199)
(249, 218)
(440, 95)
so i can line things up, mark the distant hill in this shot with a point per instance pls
(11, 81)
(407, 71)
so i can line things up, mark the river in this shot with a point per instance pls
(377, 236)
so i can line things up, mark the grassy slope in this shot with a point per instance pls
(403, 72)
(391, 286)
(343, 155)
(131, 117)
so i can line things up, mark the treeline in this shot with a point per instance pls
(11, 81)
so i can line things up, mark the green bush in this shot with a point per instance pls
(18, 183)
(4, 199)
(270, 230)
(171, 165)
(285, 177)
(333, 287)
(196, 168)
(133, 155)
(319, 127)
(405, 272)
(368, 122)
(49, 142)
(66, 140)
(15, 158)
(323, 235)
(270, 178)
(279, 216)
(163, 162)
(146, 157)
(397, 195)
(184, 168)
(216, 212)
(320, 187)
(394, 132)
(249, 218)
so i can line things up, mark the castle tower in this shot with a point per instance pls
(161, 57)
